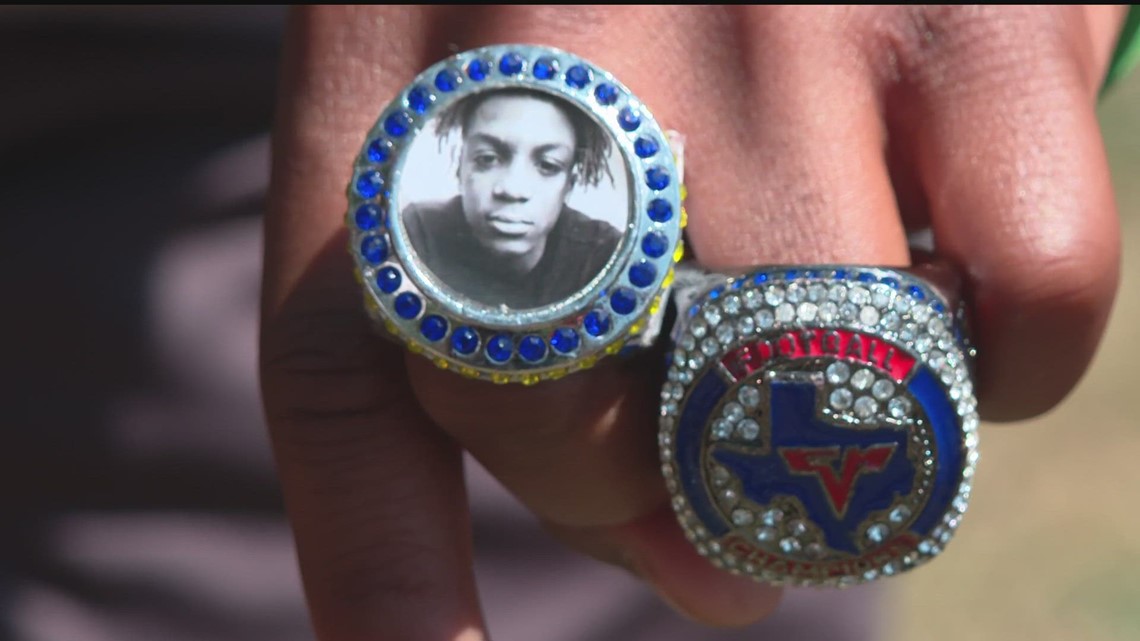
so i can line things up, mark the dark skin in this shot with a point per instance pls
(843, 129)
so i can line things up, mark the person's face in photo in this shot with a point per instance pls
(515, 172)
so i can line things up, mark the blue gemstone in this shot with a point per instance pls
(397, 124)
(388, 279)
(654, 244)
(737, 284)
(419, 99)
(433, 327)
(893, 283)
(628, 119)
(510, 64)
(499, 348)
(369, 183)
(367, 217)
(532, 348)
(374, 249)
(408, 305)
(606, 94)
(379, 150)
(715, 293)
(545, 68)
(938, 307)
(811, 273)
(840, 274)
(478, 69)
(642, 274)
(645, 147)
(447, 80)
(866, 277)
(623, 300)
(917, 292)
(760, 278)
(464, 340)
(564, 340)
(659, 210)
(578, 76)
(791, 274)
(596, 323)
(657, 178)
(693, 310)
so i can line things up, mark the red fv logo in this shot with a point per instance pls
(837, 482)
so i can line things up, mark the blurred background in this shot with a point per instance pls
(137, 497)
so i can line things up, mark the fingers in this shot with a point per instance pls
(1004, 136)
(373, 489)
(785, 164)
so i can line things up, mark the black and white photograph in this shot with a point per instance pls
(514, 197)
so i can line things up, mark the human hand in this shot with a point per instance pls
(815, 135)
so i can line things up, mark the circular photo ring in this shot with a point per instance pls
(515, 214)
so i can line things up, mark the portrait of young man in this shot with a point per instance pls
(509, 237)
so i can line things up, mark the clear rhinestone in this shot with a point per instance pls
(720, 476)
(967, 405)
(753, 299)
(848, 311)
(878, 533)
(765, 319)
(742, 518)
(970, 423)
(806, 312)
(890, 568)
(972, 439)
(670, 407)
(748, 429)
(900, 514)
(862, 379)
(731, 304)
(869, 315)
(937, 360)
(772, 517)
(814, 550)
(696, 361)
(795, 294)
(882, 389)
(920, 313)
(881, 296)
(725, 334)
(837, 373)
(816, 293)
(721, 429)
(733, 412)
(766, 534)
(749, 396)
(710, 347)
(841, 398)
(687, 342)
(908, 331)
(828, 311)
(685, 377)
(788, 545)
(785, 313)
(890, 320)
(699, 327)
(859, 295)
(899, 407)
(960, 503)
(745, 326)
(935, 326)
(870, 575)
(797, 528)
(774, 296)
(748, 568)
(837, 293)
(728, 496)
(866, 407)
(924, 343)
(711, 314)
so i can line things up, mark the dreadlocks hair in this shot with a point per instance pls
(592, 144)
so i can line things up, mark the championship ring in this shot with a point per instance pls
(818, 424)
(515, 214)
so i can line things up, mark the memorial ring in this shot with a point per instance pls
(515, 214)
(818, 423)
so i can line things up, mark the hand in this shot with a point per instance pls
(814, 135)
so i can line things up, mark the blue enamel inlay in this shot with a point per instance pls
(703, 398)
(928, 391)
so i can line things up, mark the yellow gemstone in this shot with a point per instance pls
(669, 276)
(500, 378)
(358, 276)
(415, 348)
(390, 326)
(679, 253)
(556, 374)
(684, 194)
(636, 328)
(469, 372)
(441, 363)
(530, 379)
(587, 363)
(615, 347)
(655, 306)
(684, 218)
